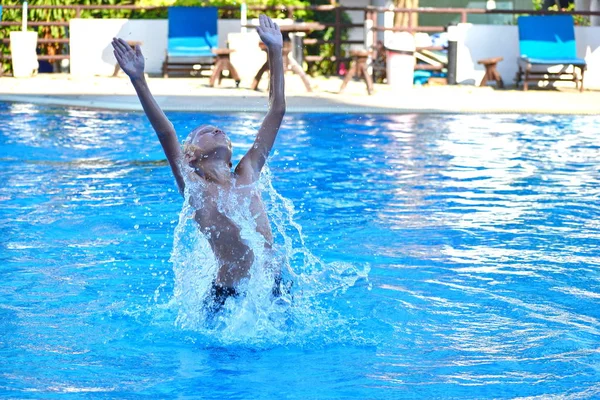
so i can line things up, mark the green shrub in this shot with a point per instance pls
(279, 7)
(581, 20)
(327, 49)
(47, 32)
(279, 10)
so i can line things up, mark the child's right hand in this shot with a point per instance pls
(131, 61)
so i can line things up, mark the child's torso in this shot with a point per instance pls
(227, 216)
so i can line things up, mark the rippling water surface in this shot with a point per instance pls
(477, 237)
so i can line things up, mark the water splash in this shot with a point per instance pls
(303, 311)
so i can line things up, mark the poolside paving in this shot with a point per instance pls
(194, 94)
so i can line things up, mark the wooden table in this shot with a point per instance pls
(289, 62)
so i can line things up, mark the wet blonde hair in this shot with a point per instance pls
(188, 146)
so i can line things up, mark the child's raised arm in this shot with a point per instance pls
(132, 63)
(252, 163)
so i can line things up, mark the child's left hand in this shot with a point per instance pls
(269, 32)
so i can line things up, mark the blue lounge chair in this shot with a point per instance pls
(192, 36)
(545, 41)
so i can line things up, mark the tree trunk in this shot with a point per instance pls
(403, 19)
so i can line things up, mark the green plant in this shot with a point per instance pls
(279, 8)
(326, 50)
(579, 19)
(158, 9)
(48, 15)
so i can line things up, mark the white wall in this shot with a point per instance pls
(91, 52)
(588, 47)
(247, 57)
(484, 41)
(225, 27)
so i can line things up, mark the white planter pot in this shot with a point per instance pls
(23, 51)
(400, 60)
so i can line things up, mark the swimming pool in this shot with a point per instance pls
(457, 257)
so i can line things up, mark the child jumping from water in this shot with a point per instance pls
(206, 158)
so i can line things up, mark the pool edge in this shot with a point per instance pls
(191, 104)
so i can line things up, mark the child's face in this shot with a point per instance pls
(205, 141)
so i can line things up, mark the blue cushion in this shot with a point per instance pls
(189, 47)
(555, 61)
(546, 37)
(421, 77)
(192, 31)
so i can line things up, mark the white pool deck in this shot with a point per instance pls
(194, 94)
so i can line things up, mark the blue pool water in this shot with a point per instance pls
(435, 256)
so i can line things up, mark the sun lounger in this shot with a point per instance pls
(192, 38)
(547, 41)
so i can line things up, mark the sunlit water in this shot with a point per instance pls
(433, 256)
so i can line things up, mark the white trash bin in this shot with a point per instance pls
(400, 60)
(23, 51)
